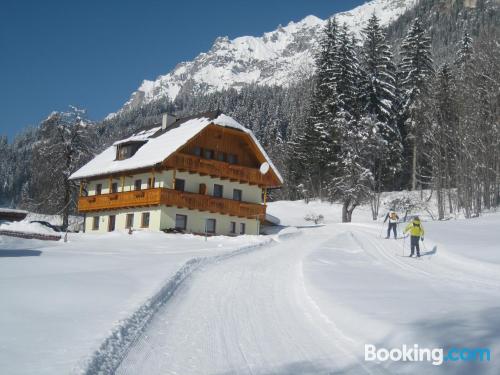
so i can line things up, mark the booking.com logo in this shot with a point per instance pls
(437, 356)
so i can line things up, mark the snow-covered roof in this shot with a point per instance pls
(12, 210)
(141, 136)
(159, 146)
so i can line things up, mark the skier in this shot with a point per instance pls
(393, 218)
(416, 232)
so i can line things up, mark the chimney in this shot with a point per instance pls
(164, 121)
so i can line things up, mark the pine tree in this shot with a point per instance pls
(465, 52)
(359, 141)
(441, 137)
(345, 78)
(314, 148)
(378, 83)
(4, 168)
(357, 134)
(416, 69)
(378, 98)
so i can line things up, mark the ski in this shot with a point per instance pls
(414, 257)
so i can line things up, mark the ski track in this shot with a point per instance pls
(111, 353)
(249, 312)
(447, 269)
(256, 317)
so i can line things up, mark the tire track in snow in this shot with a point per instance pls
(113, 350)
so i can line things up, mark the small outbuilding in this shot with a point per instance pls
(7, 214)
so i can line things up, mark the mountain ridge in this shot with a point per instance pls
(279, 57)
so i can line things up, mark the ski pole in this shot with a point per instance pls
(381, 229)
(423, 245)
(404, 240)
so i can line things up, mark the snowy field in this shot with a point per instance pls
(304, 302)
(59, 301)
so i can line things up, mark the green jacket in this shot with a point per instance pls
(415, 228)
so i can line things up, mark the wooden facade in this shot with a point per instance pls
(222, 170)
(220, 140)
(171, 197)
(227, 141)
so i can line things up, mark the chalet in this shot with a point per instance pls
(200, 174)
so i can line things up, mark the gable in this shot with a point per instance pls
(224, 142)
(226, 150)
(227, 135)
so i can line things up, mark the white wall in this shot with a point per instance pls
(196, 221)
(164, 217)
(250, 193)
(154, 219)
(163, 179)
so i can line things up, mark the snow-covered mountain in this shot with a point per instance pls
(280, 57)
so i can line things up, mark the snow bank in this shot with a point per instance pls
(295, 213)
(9, 210)
(26, 227)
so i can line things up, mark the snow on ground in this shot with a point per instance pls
(74, 224)
(309, 304)
(60, 301)
(305, 303)
(26, 227)
(481, 240)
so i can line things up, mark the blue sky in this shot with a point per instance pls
(94, 54)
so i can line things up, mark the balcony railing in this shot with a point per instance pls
(126, 199)
(170, 197)
(220, 169)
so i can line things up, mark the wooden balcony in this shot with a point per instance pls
(223, 170)
(126, 199)
(170, 197)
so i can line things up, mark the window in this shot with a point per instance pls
(130, 221)
(137, 184)
(208, 154)
(202, 189)
(197, 151)
(181, 222)
(151, 183)
(95, 223)
(111, 223)
(179, 184)
(98, 189)
(126, 151)
(145, 220)
(232, 227)
(237, 194)
(232, 159)
(221, 156)
(242, 228)
(114, 187)
(218, 190)
(123, 152)
(210, 226)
